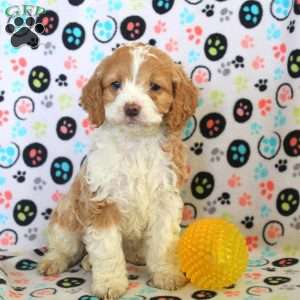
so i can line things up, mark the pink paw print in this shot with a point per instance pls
(3, 116)
(253, 275)
(201, 76)
(25, 107)
(245, 200)
(252, 242)
(160, 27)
(57, 196)
(265, 106)
(273, 232)
(267, 189)
(86, 124)
(280, 52)
(18, 65)
(194, 34)
(231, 293)
(234, 181)
(285, 94)
(258, 63)
(70, 63)
(171, 45)
(7, 239)
(247, 42)
(5, 198)
(81, 81)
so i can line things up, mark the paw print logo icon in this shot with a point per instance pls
(24, 30)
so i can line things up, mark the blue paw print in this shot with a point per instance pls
(17, 86)
(18, 130)
(26, 265)
(90, 12)
(268, 252)
(269, 146)
(96, 54)
(273, 32)
(8, 155)
(104, 30)
(61, 170)
(278, 73)
(114, 5)
(3, 219)
(238, 153)
(88, 297)
(279, 119)
(73, 36)
(9, 49)
(189, 128)
(164, 4)
(260, 172)
(193, 56)
(79, 147)
(186, 17)
(251, 14)
(255, 128)
(265, 211)
(280, 9)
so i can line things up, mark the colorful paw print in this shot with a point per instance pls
(245, 199)
(267, 189)
(186, 17)
(73, 36)
(9, 155)
(264, 106)
(5, 198)
(61, 170)
(194, 34)
(260, 171)
(273, 32)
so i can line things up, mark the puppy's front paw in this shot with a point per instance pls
(168, 281)
(51, 266)
(112, 289)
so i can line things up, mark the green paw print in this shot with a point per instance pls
(296, 114)
(65, 101)
(202, 185)
(24, 212)
(215, 46)
(294, 63)
(70, 282)
(216, 97)
(288, 201)
(241, 83)
(39, 79)
(39, 128)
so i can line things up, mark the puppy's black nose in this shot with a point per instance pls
(132, 109)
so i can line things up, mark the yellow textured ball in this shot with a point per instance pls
(212, 253)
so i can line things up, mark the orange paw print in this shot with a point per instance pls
(18, 65)
(253, 275)
(3, 116)
(280, 52)
(81, 81)
(25, 107)
(284, 94)
(231, 293)
(160, 27)
(5, 198)
(245, 199)
(247, 42)
(70, 63)
(252, 242)
(273, 232)
(267, 189)
(258, 63)
(194, 34)
(234, 181)
(265, 106)
(171, 45)
(86, 124)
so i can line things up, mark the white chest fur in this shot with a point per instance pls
(131, 170)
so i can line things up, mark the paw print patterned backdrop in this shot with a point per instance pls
(243, 142)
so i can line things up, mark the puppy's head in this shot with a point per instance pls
(139, 86)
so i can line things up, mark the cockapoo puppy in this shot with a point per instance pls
(125, 201)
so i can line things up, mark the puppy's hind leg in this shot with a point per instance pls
(65, 249)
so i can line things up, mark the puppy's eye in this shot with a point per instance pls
(154, 87)
(116, 85)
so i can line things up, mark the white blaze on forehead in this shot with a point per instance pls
(139, 53)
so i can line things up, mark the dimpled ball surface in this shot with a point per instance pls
(212, 253)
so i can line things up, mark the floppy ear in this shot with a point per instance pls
(185, 100)
(91, 98)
